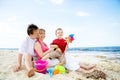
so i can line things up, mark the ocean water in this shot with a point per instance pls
(100, 49)
(112, 53)
(9, 49)
(86, 49)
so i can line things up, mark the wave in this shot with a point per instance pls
(101, 49)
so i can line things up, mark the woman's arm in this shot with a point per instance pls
(38, 49)
(48, 51)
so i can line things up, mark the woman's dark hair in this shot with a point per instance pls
(31, 28)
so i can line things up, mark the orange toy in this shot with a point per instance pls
(56, 71)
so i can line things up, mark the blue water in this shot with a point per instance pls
(112, 53)
(100, 49)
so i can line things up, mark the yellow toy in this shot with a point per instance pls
(60, 68)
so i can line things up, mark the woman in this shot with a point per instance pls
(40, 47)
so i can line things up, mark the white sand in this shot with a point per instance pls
(8, 60)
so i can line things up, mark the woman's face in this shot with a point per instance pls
(41, 35)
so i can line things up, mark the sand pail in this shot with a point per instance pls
(41, 66)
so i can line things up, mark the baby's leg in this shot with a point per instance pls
(61, 60)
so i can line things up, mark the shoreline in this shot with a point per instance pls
(8, 60)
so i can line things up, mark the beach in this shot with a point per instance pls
(8, 61)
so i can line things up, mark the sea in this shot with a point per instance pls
(100, 49)
(112, 53)
(108, 53)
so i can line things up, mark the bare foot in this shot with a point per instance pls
(18, 68)
(31, 73)
(91, 66)
(91, 70)
(82, 70)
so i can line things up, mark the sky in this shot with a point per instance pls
(93, 22)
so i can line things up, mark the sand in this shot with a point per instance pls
(8, 61)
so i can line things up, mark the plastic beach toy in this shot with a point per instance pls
(69, 38)
(56, 70)
(50, 71)
(60, 68)
(41, 66)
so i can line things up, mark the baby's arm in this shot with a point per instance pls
(53, 46)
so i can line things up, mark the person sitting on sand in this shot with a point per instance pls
(27, 49)
(40, 48)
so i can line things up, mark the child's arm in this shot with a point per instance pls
(66, 47)
(18, 67)
(54, 46)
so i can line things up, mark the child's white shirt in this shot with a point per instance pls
(27, 46)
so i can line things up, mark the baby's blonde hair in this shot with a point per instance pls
(58, 29)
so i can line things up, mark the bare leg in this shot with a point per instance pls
(87, 67)
(91, 66)
(84, 70)
(29, 66)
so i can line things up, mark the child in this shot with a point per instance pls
(27, 49)
(57, 48)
